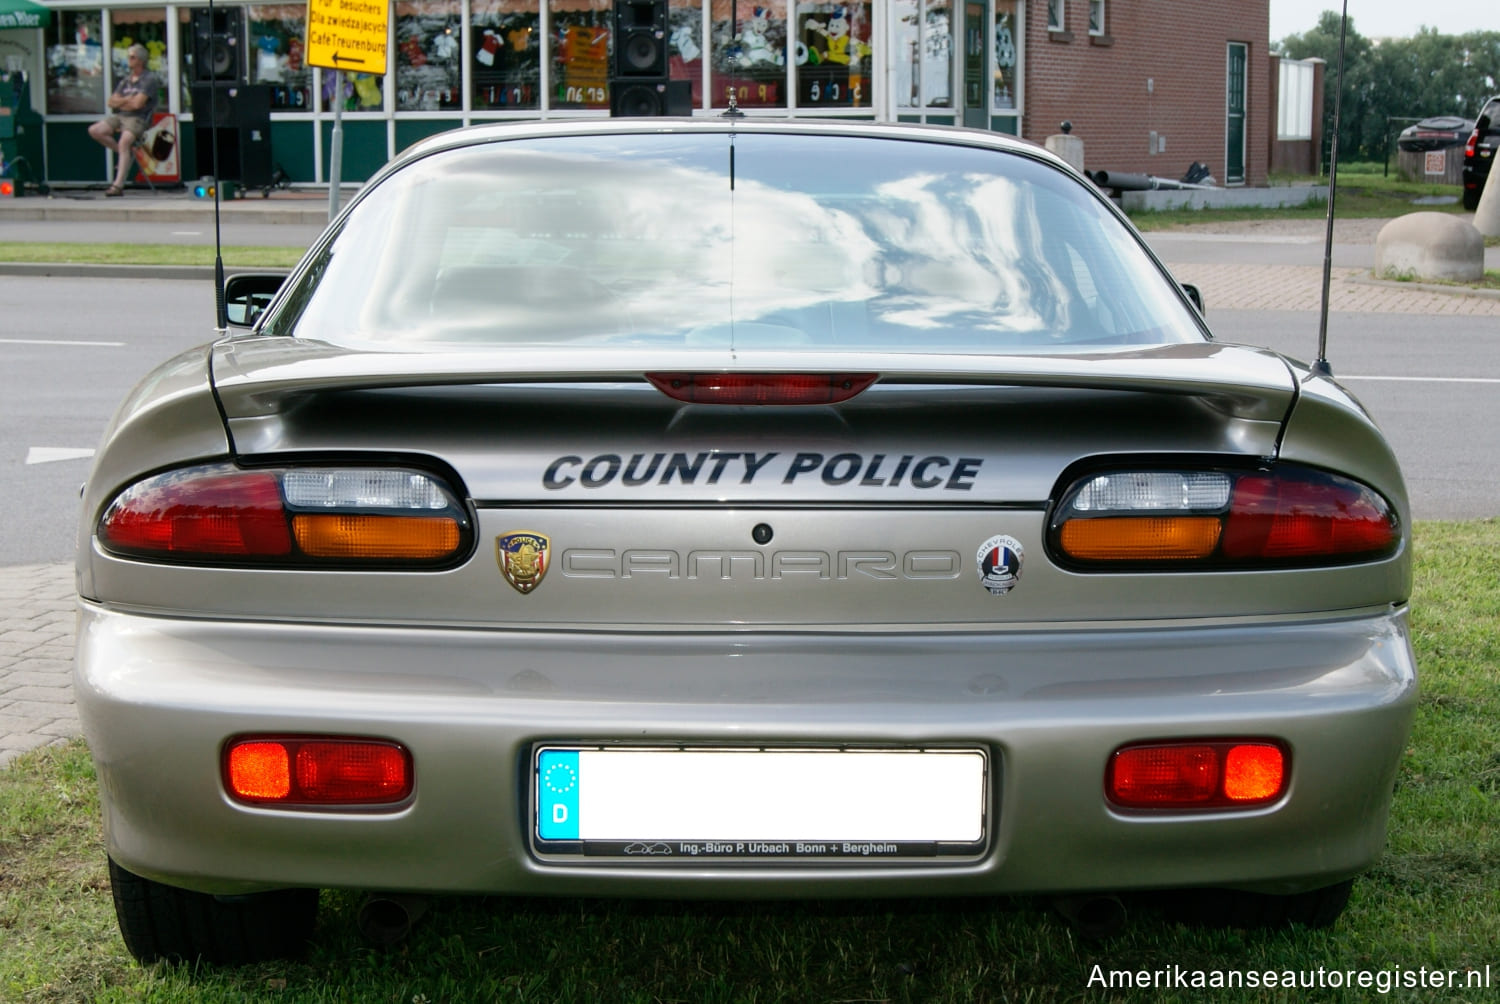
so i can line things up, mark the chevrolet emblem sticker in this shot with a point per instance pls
(523, 556)
(999, 561)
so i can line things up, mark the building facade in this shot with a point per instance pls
(1150, 86)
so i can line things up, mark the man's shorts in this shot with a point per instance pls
(136, 124)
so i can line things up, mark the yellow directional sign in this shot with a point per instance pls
(347, 34)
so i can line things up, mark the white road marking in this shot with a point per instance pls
(51, 454)
(56, 341)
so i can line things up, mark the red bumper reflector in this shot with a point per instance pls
(761, 388)
(1196, 775)
(317, 771)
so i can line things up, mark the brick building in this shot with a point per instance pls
(1157, 86)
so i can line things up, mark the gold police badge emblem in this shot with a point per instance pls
(523, 556)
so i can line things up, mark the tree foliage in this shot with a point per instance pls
(1389, 82)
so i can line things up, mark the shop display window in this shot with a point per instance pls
(580, 53)
(505, 63)
(75, 63)
(140, 26)
(923, 37)
(428, 66)
(685, 45)
(361, 92)
(276, 49)
(833, 55)
(749, 53)
(1007, 55)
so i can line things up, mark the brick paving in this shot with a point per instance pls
(36, 658)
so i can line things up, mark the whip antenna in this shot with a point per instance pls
(221, 313)
(1321, 366)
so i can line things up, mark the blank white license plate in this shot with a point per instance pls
(766, 803)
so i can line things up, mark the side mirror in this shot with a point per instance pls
(1194, 294)
(247, 296)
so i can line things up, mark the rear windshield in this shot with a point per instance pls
(744, 240)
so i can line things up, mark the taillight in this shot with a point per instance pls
(317, 771)
(1472, 145)
(1196, 775)
(221, 514)
(1221, 518)
(761, 388)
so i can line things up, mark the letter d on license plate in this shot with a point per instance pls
(768, 803)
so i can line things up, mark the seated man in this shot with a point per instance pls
(130, 108)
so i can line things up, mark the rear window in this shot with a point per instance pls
(746, 240)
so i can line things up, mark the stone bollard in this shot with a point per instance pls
(1487, 214)
(1067, 146)
(1429, 246)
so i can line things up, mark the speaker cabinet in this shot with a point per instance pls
(640, 38)
(218, 44)
(633, 98)
(238, 118)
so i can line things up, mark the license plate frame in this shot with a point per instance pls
(662, 805)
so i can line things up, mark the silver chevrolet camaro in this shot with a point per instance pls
(734, 508)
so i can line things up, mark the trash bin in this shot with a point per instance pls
(1433, 150)
(21, 135)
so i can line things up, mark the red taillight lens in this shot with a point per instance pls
(219, 514)
(317, 771)
(1277, 517)
(761, 388)
(1472, 145)
(1222, 518)
(1196, 775)
(197, 513)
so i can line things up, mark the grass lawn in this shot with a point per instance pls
(148, 254)
(1364, 191)
(1433, 901)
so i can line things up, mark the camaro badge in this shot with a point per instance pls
(999, 561)
(523, 557)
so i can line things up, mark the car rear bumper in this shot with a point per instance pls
(160, 696)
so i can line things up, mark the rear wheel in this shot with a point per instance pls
(162, 922)
(1231, 908)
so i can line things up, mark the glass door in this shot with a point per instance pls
(976, 65)
(1234, 126)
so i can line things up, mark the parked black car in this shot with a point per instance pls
(1441, 132)
(1479, 152)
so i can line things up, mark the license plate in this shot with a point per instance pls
(687, 803)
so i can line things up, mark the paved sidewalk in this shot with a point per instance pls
(36, 658)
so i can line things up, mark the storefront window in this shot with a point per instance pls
(75, 63)
(140, 26)
(749, 53)
(924, 54)
(276, 34)
(580, 53)
(427, 55)
(361, 92)
(833, 55)
(684, 45)
(1007, 56)
(505, 39)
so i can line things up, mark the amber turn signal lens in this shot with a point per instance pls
(1253, 772)
(1136, 538)
(376, 537)
(260, 771)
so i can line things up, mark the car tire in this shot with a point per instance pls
(1471, 198)
(163, 922)
(1316, 908)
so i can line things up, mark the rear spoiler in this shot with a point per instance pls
(256, 376)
